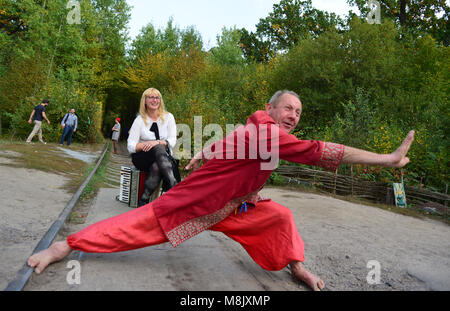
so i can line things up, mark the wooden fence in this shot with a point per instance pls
(347, 185)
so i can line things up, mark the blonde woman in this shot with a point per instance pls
(152, 136)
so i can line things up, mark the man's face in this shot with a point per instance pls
(287, 112)
(72, 111)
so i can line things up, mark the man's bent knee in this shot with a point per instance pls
(277, 211)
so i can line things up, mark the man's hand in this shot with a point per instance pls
(398, 158)
(193, 164)
(29, 121)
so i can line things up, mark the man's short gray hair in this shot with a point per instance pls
(276, 97)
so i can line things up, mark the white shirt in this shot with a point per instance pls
(140, 132)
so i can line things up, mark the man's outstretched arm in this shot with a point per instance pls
(396, 159)
(351, 155)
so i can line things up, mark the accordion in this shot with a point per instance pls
(131, 185)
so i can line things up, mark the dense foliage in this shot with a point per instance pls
(364, 85)
(43, 55)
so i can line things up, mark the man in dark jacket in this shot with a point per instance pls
(37, 115)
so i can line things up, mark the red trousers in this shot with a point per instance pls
(267, 232)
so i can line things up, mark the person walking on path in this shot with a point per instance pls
(69, 124)
(37, 115)
(116, 134)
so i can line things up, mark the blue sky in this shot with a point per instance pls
(210, 16)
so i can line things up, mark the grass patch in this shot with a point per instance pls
(77, 217)
(81, 209)
(97, 180)
(48, 158)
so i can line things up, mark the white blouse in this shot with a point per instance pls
(140, 132)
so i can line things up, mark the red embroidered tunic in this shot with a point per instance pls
(211, 193)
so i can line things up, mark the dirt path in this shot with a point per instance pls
(341, 238)
(30, 201)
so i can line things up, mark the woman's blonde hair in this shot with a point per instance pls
(142, 108)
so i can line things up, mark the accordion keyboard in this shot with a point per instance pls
(125, 184)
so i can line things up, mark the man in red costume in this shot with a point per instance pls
(235, 169)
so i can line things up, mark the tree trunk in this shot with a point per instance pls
(402, 15)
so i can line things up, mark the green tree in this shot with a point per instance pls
(227, 51)
(289, 23)
(171, 39)
(71, 64)
(11, 17)
(190, 39)
(255, 48)
(327, 71)
(294, 20)
(415, 16)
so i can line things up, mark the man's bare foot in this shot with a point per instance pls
(299, 272)
(55, 252)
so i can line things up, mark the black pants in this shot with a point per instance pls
(158, 165)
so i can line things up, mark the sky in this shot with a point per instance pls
(210, 16)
